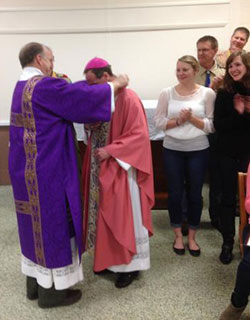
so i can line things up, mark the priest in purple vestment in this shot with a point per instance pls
(44, 174)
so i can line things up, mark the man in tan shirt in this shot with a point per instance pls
(238, 41)
(210, 73)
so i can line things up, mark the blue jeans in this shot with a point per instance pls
(181, 167)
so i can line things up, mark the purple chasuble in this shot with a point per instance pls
(43, 163)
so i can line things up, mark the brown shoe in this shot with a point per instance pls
(232, 313)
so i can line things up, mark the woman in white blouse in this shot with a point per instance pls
(185, 113)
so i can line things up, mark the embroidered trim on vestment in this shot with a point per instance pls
(99, 138)
(30, 148)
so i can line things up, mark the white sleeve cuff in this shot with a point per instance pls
(126, 166)
(208, 126)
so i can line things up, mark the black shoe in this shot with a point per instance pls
(31, 288)
(103, 272)
(194, 253)
(226, 255)
(33, 296)
(180, 252)
(71, 297)
(184, 228)
(124, 279)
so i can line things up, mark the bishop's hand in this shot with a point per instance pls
(102, 154)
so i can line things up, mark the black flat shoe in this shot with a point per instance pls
(226, 255)
(194, 253)
(180, 252)
(124, 279)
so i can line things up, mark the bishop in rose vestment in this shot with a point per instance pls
(127, 173)
(117, 220)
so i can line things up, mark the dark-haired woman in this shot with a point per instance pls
(232, 123)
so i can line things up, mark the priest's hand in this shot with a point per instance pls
(217, 82)
(102, 154)
(120, 82)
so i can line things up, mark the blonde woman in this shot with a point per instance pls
(185, 112)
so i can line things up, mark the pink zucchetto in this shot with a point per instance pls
(96, 63)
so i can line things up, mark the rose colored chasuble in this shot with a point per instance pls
(43, 163)
(128, 141)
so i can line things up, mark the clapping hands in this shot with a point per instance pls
(241, 103)
(184, 116)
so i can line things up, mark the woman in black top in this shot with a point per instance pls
(232, 124)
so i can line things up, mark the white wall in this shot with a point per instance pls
(141, 38)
